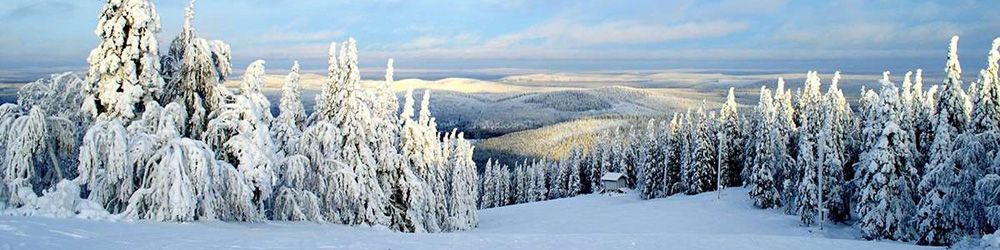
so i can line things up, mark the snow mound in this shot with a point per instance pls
(62, 201)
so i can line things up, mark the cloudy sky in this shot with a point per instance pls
(549, 35)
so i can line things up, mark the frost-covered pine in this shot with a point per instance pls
(730, 142)
(124, 68)
(763, 186)
(287, 127)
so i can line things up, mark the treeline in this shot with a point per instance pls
(912, 164)
(145, 136)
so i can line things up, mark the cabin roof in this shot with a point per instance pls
(612, 176)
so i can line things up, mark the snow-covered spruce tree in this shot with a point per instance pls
(988, 191)
(940, 219)
(420, 150)
(186, 183)
(41, 133)
(671, 157)
(105, 168)
(886, 202)
(124, 68)
(386, 122)
(687, 143)
(730, 142)
(651, 171)
(123, 75)
(504, 185)
(627, 155)
(294, 200)
(952, 100)
(519, 184)
(752, 121)
(487, 186)
(171, 62)
(832, 140)
(439, 152)
(574, 180)
(923, 118)
(239, 132)
(986, 106)
(810, 125)
(868, 129)
(183, 181)
(703, 164)
(539, 187)
(976, 147)
(936, 222)
(193, 70)
(199, 86)
(608, 157)
(588, 161)
(763, 186)
(287, 127)
(462, 190)
(25, 149)
(342, 105)
(251, 88)
(787, 172)
(402, 187)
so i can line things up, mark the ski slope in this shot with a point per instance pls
(584, 222)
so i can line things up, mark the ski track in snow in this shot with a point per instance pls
(584, 222)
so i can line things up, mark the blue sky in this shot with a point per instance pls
(548, 35)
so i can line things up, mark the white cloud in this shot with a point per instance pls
(439, 41)
(868, 34)
(284, 36)
(563, 32)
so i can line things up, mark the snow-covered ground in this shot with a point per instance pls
(585, 222)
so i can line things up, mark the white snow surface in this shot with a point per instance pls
(583, 222)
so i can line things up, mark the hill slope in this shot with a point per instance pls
(585, 222)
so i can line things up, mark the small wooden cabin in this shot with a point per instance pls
(613, 182)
